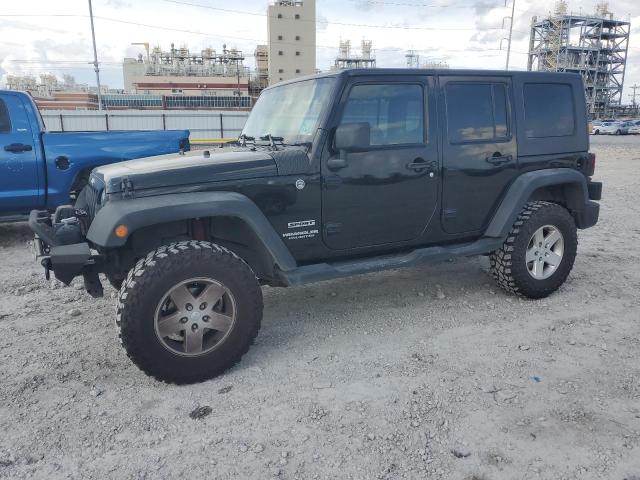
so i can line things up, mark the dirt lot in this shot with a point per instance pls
(425, 372)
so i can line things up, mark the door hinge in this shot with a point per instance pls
(449, 212)
(332, 181)
(331, 228)
(126, 187)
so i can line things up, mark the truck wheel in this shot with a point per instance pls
(539, 251)
(188, 311)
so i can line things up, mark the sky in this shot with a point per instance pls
(45, 36)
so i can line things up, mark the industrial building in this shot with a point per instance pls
(179, 71)
(415, 61)
(595, 46)
(260, 79)
(178, 78)
(291, 30)
(348, 59)
(51, 93)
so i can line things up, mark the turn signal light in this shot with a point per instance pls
(121, 231)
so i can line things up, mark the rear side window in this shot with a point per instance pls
(477, 112)
(548, 110)
(5, 122)
(395, 113)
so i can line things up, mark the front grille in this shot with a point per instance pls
(89, 199)
(92, 198)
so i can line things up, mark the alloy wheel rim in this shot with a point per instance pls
(544, 252)
(195, 316)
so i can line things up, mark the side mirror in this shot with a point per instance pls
(352, 137)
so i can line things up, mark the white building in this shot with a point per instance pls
(291, 26)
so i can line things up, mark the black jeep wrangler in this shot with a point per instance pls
(334, 175)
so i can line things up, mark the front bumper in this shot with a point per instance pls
(65, 261)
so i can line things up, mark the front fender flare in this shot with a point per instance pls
(523, 187)
(145, 211)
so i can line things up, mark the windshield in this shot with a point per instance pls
(290, 111)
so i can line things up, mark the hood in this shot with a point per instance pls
(190, 168)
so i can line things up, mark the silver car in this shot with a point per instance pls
(634, 128)
(610, 128)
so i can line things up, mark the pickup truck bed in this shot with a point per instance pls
(41, 170)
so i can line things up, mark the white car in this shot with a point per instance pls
(610, 128)
(634, 127)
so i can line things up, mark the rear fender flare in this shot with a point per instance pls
(522, 189)
(142, 212)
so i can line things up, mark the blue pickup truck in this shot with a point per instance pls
(42, 170)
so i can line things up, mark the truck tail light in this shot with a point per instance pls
(588, 164)
(592, 166)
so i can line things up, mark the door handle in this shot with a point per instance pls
(336, 163)
(420, 164)
(17, 147)
(498, 159)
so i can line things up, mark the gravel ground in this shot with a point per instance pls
(425, 372)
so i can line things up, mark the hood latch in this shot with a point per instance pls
(126, 187)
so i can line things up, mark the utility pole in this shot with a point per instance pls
(95, 57)
(513, 8)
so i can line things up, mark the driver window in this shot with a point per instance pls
(395, 113)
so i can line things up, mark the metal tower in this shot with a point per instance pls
(593, 45)
(346, 59)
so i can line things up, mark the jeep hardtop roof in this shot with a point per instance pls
(352, 72)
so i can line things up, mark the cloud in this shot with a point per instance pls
(118, 3)
(364, 5)
(321, 22)
(472, 42)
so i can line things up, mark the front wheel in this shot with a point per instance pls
(618, 132)
(189, 311)
(538, 254)
(597, 132)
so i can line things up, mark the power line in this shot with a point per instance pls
(196, 32)
(327, 22)
(430, 5)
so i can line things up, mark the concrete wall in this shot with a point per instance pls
(209, 124)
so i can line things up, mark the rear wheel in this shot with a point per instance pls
(618, 132)
(539, 251)
(597, 132)
(189, 311)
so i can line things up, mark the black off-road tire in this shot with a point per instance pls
(508, 264)
(157, 273)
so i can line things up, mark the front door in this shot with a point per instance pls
(20, 183)
(388, 193)
(479, 150)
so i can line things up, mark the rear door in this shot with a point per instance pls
(479, 149)
(20, 185)
(388, 193)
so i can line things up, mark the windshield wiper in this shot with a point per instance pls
(242, 139)
(272, 140)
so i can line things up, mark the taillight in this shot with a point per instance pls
(588, 164)
(592, 164)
